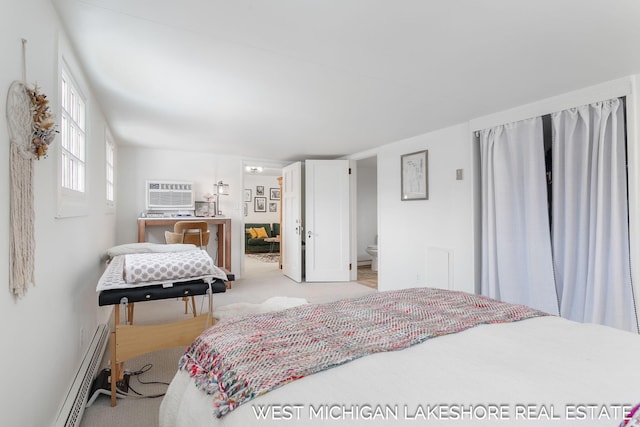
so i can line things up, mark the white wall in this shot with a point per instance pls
(410, 230)
(137, 165)
(268, 182)
(45, 334)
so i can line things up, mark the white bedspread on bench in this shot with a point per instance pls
(136, 270)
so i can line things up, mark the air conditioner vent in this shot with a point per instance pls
(167, 195)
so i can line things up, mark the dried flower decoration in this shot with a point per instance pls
(44, 127)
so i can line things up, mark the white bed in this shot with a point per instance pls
(536, 372)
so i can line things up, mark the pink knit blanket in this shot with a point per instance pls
(237, 360)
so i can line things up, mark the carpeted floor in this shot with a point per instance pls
(261, 282)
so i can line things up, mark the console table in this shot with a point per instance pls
(223, 226)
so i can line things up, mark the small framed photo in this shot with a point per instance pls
(273, 206)
(274, 193)
(202, 209)
(260, 190)
(247, 195)
(246, 209)
(260, 204)
(414, 171)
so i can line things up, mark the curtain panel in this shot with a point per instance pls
(516, 246)
(590, 215)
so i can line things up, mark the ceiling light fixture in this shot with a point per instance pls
(254, 169)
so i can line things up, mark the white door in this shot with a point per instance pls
(327, 233)
(291, 238)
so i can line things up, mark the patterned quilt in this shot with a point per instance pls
(238, 360)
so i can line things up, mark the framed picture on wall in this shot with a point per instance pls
(274, 193)
(260, 204)
(260, 190)
(247, 195)
(246, 209)
(414, 171)
(273, 206)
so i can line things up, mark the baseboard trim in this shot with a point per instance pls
(74, 404)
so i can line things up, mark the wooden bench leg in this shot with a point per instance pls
(193, 306)
(130, 313)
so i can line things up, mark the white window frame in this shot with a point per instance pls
(110, 172)
(72, 157)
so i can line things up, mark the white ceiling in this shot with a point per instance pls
(293, 79)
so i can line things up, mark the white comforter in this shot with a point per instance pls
(536, 372)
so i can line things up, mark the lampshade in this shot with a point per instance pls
(221, 188)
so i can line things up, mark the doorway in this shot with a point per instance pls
(367, 221)
(261, 212)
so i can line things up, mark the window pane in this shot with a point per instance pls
(72, 135)
(81, 146)
(80, 177)
(64, 132)
(110, 149)
(64, 94)
(64, 170)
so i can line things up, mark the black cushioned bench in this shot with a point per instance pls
(158, 292)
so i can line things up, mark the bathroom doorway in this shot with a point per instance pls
(367, 220)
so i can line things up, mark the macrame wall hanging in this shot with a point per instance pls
(31, 130)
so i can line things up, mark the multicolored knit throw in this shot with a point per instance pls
(238, 360)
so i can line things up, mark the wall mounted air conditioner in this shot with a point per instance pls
(169, 195)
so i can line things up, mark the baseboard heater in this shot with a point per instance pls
(73, 407)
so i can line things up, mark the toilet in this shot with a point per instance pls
(373, 251)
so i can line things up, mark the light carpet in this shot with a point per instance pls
(239, 309)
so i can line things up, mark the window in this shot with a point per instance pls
(72, 135)
(110, 171)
